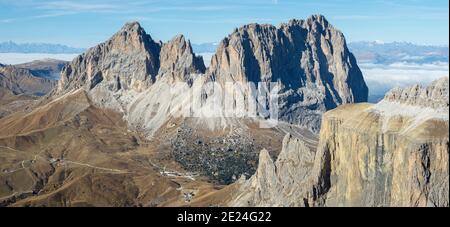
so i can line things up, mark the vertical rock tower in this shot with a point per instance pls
(308, 58)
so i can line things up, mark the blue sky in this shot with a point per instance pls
(84, 23)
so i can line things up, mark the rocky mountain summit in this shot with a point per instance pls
(308, 58)
(127, 61)
(178, 60)
(130, 60)
(368, 155)
(128, 64)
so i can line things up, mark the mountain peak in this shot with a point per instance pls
(178, 60)
(318, 18)
(181, 41)
(299, 54)
(132, 32)
(129, 60)
(131, 26)
(179, 37)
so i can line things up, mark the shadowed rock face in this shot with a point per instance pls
(310, 60)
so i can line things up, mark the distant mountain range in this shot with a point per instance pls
(365, 51)
(12, 47)
(388, 53)
(384, 65)
(377, 52)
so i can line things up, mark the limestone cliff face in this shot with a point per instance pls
(22, 81)
(394, 153)
(128, 61)
(283, 183)
(309, 58)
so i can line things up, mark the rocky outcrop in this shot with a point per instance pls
(178, 61)
(388, 154)
(308, 58)
(434, 96)
(385, 155)
(283, 183)
(131, 61)
(115, 71)
(127, 61)
(23, 81)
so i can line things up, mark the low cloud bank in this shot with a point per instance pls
(19, 58)
(381, 78)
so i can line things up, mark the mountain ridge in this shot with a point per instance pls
(12, 47)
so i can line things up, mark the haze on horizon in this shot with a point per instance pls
(82, 23)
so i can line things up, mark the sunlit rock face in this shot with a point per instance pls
(394, 153)
(179, 62)
(129, 60)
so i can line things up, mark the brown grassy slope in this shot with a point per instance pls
(71, 153)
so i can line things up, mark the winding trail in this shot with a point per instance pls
(96, 167)
(162, 171)
(22, 163)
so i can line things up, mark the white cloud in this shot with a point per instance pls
(8, 20)
(381, 78)
(76, 6)
(206, 57)
(18, 58)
